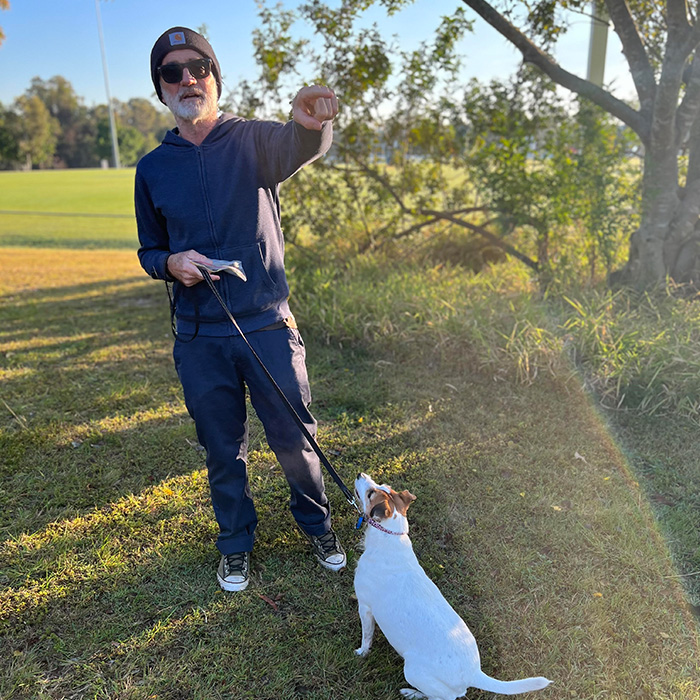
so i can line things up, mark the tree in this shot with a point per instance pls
(75, 143)
(426, 166)
(10, 134)
(77, 133)
(39, 132)
(131, 142)
(150, 122)
(660, 41)
(551, 171)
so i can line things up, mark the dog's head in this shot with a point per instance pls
(381, 502)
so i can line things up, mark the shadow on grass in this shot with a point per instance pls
(91, 405)
(107, 563)
(107, 560)
(87, 381)
(124, 597)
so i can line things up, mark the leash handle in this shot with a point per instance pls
(292, 411)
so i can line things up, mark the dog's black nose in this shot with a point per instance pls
(359, 475)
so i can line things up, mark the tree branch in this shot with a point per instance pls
(677, 18)
(436, 216)
(634, 51)
(402, 234)
(490, 237)
(689, 108)
(693, 36)
(533, 54)
(375, 176)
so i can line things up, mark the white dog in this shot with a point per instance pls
(441, 659)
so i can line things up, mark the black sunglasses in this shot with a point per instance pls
(172, 72)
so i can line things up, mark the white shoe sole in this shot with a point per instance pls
(228, 586)
(333, 567)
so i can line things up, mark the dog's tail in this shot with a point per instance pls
(525, 685)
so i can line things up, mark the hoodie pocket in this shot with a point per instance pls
(243, 298)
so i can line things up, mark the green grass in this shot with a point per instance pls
(533, 521)
(35, 208)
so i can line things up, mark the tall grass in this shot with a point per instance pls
(635, 351)
(638, 356)
(639, 351)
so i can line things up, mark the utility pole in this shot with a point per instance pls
(598, 43)
(110, 108)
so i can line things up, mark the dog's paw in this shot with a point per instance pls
(362, 652)
(412, 694)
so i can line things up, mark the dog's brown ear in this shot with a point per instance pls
(404, 499)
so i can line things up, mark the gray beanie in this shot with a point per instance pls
(178, 38)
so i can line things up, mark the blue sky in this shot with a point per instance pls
(45, 38)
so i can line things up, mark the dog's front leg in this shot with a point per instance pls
(367, 620)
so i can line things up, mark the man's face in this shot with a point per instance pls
(190, 99)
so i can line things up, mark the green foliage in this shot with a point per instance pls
(76, 128)
(132, 143)
(75, 136)
(275, 51)
(420, 158)
(639, 351)
(10, 126)
(38, 135)
(556, 174)
(607, 201)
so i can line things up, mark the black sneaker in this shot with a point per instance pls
(233, 571)
(328, 551)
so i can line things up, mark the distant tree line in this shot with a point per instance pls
(49, 126)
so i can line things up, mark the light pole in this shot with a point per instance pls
(598, 43)
(112, 123)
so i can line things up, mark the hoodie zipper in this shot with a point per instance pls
(207, 203)
(210, 218)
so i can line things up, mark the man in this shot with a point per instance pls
(210, 191)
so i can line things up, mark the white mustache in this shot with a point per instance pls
(189, 92)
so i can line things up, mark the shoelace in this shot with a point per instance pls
(328, 542)
(236, 562)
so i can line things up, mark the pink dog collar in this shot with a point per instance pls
(374, 523)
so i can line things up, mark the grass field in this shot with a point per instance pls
(39, 208)
(529, 516)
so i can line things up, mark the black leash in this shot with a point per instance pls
(297, 419)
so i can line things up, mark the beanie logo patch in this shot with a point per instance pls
(177, 38)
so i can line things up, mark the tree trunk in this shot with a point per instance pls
(667, 243)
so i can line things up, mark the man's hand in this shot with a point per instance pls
(181, 267)
(314, 105)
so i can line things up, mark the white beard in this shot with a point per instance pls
(191, 109)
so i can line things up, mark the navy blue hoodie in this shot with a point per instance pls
(221, 199)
